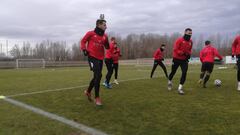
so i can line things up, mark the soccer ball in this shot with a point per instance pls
(217, 82)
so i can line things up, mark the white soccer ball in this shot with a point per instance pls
(217, 82)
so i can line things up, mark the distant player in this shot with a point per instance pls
(181, 53)
(158, 58)
(109, 63)
(116, 55)
(207, 55)
(236, 52)
(93, 44)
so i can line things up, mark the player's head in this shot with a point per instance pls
(207, 42)
(101, 23)
(162, 47)
(187, 34)
(113, 40)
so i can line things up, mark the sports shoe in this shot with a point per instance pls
(115, 81)
(180, 91)
(238, 87)
(200, 81)
(170, 85)
(109, 86)
(98, 101)
(88, 95)
(105, 84)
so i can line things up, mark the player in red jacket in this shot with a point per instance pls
(92, 45)
(158, 58)
(109, 63)
(181, 53)
(236, 52)
(207, 55)
(116, 55)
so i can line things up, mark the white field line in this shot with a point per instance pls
(74, 87)
(52, 116)
(68, 88)
(45, 91)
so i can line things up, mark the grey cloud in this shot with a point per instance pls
(70, 19)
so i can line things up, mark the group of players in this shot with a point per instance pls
(95, 42)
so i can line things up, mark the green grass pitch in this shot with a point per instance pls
(134, 107)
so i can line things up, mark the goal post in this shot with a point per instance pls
(30, 63)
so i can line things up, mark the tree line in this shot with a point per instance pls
(132, 46)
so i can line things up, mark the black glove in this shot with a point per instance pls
(85, 52)
(187, 55)
(232, 56)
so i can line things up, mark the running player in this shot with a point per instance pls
(207, 55)
(92, 45)
(158, 58)
(181, 53)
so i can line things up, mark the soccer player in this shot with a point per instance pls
(207, 55)
(181, 53)
(109, 63)
(236, 52)
(96, 40)
(158, 58)
(116, 55)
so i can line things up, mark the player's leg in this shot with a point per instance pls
(203, 69)
(164, 68)
(175, 65)
(91, 84)
(97, 69)
(209, 69)
(109, 65)
(184, 68)
(154, 67)
(115, 65)
(238, 73)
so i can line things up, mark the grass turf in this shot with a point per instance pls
(142, 106)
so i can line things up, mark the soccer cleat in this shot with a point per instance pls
(98, 101)
(200, 81)
(238, 89)
(105, 84)
(109, 86)
(88, 95)
(115, 81)
(180, 91)
(170, 85)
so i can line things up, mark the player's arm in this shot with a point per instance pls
(119, 52)
(177, 46)
(234, 45)
(83, 43)
(106, 45)
(201, 56)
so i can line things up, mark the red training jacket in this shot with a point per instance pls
(95, 46)
(182, 48)
(116, 55)
(236, 46)
(208, 53)
(158, 54)
(109, 52)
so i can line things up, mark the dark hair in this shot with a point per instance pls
(188, 29)
(163, 45)
(113, 38)
(207, 42)
(100, 21)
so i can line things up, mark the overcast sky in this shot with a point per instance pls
(71, 19)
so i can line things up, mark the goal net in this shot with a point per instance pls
(30, 63)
